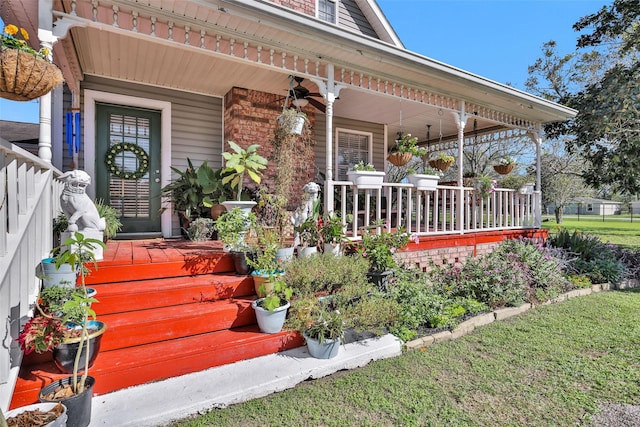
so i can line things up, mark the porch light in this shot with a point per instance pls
(300, 103)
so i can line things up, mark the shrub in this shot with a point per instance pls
(325, 273)
(592, 257)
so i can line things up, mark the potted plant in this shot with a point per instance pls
(238, 163)
(442, 162)
(75, 392)
(271, 311)
(271, 213)
(364, 176)
(111, 218)
(232, 227)
(36, 415)
(186, 195)
(309, 235)
(326, 332)
(505, 165)
(200, 229)
(404, 149)
(333, 233)
(292, 121)
(214, 191)
(266, 266)
(26, 73)
(378, 249)
(485, 185)
(425, 181)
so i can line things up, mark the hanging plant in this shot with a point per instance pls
(114, 168)
(25, 73)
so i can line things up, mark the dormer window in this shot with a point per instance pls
(327, 10)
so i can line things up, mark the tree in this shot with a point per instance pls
(602, 83)
(560, 180)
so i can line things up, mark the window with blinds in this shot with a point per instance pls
(327, 10)
(352, 147)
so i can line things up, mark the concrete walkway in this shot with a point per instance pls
(161, 402)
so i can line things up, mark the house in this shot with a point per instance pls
(590, 206)
(635, 207)
(180, 78)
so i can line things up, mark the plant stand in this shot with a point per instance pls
(380, 279)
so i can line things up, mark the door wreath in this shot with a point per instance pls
(141, 155)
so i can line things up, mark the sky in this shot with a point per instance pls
(496, 39)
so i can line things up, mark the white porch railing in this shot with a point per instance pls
(29, 200)
(446, 210)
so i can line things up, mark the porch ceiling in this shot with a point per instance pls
(122, 57)
(105, 45)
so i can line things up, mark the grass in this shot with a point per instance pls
(553, 365)
(618, 232)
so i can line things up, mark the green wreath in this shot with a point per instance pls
(141, 155)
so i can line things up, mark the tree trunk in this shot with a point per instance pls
(558, 211)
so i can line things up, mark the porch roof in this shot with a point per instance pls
(207, 48)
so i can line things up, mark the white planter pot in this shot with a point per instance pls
(423, 182)
(307, 251)
(366, 180)
(61, 421)
(270, 322)
(245, 206)
(332, 249)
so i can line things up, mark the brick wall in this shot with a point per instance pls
(456, 249)
(250, 118)
(308, 7)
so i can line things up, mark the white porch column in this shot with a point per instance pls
(537, 213)
(461, 122)
(46, 37)
(330, 91)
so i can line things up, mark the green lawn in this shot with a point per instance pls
(550, 366)
(615, 230)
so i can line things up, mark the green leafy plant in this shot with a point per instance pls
(232, 227)
(327, 325)
(506, 160)
(485, 185)
(264, 260)
(379, 248)
(201, 229)
(409, 144)
(332, 229)
(362, 166)
(111, 217)
(214, 189)
(241, 161)
(277, 295)
(445, 157)
(186, 192)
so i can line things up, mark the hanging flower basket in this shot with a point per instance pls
(398, 158)
(24, 77)
(504, 169)
(441, 165)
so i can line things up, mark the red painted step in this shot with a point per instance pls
(118, 369)
(153, 293)
(171, 307)
(166, 323)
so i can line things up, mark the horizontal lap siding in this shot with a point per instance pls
(196, 122)
(350, 16)
(376, 129)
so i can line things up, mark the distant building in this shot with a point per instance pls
(590, 206)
